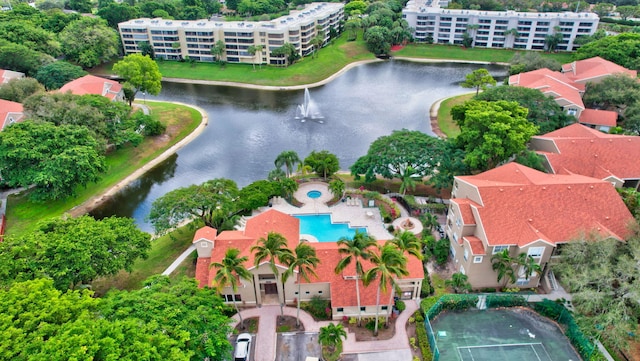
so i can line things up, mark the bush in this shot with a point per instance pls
(494, 301)
(317, 307)
(400, 305)
(423, 340)
(148, 125)
(426, 290)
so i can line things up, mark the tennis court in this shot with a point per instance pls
(500, 334)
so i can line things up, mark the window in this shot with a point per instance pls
(477, 259)
(306, 292)
(229, 298)
(339, 309)
(466, 254)
(384, 308)
(535, 252)
(363, 308)
(204, 244)
(320, 292)
(498, 249)
(453, 251)
(462, 270)
(267, 277)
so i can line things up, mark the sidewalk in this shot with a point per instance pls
(266, 337)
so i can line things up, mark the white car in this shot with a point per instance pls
(243, 347)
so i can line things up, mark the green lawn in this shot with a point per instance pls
(308, 70)
(23, 215)
(445, 122)
(435, 51)
(164, 251)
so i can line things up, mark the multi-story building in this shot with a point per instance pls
(179, 39)
(496, 29)
(522, 210)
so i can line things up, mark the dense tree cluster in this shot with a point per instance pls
(33, 38)
(623, 49)
(163, 321)
(601, 275)
(73, 251)
(619, 93)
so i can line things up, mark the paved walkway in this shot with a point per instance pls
(172, 267)
(266, 337)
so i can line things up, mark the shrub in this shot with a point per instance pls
(426, 290)
(317, 307)
(423, 341)
(494, 301)
(400, 305)
(148, 125)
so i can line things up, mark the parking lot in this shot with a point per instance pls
(296, 346)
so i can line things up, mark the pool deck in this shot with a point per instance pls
(350, 212)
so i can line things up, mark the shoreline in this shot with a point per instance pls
(325, 80)
(95, 201)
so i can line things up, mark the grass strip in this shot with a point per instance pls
(24, 215)
(164, 250)
(445, 121)
(454, 52)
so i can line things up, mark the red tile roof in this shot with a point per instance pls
(9, 109)
(551, 83)
(205, 233)
(465, 210)
(342, 291)
(583, 71)
(589, 152)
(90, 84)
(598, 117)
(522, 205)
(476, 245)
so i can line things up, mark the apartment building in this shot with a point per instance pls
(496, 29)
(522, 210)
(179, 39)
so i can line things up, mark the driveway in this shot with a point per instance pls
(296, 346)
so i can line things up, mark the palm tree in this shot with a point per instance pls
(407, 242)
(273, 248)
(331, 336)
(408, 180)
(355, 250)
(228, 271)
(429, 221)
(528, 265)
(253, 50)
(502, 263)
(336, 187)
(511, 34)
(305, 261)
(387, 264)
(288, 158)
(459, 282)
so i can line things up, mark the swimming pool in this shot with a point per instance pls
(320, 226)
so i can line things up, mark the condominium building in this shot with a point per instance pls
(179, 39)
(496, 29)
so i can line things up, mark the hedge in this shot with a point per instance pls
(423, 340)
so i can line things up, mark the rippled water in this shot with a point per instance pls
(249, 128)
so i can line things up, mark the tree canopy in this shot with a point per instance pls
(17, 90)
(491, 132)
(325, 164)
(141, 72)
(543, 110)
(601, 276)
(531, 60)
(392, 156)
(109, 122)
(478, 79)
(89, 42)
(212, 201)
(74, 251)
(55, 75)
(56, 159)
(162, 322)
(21, 58)
(623, 49)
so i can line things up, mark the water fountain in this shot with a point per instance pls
(308, 109)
